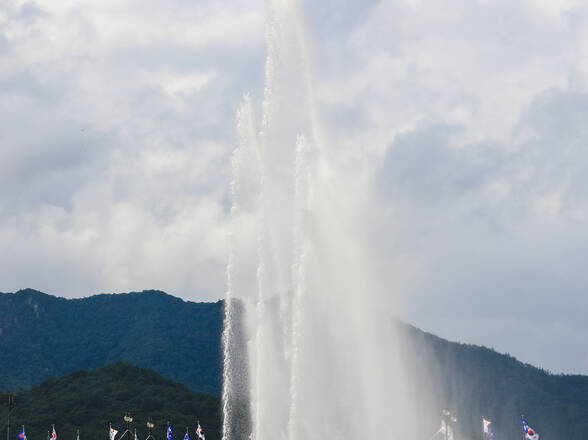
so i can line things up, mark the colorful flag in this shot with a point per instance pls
(112, 433)
(53, 433)
(200, 432)
(170, 432)
(187, 436)
(530, 433)
(22, 434)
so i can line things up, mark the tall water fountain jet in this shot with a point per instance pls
(308, 356)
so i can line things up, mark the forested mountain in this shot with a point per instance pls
(88, 401)
(476, 382)
(43, 336)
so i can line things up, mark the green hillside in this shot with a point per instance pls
(475, 381)
(89, 400)
(43, 336)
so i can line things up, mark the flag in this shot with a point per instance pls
(170, 432)
(443, 428)
(136, 438)
(53, 434)
(446, 429)
(488, 431)
(112, 433)
(200, 432)
(530, 433)
(22, 434)
(187, 436)
(449, 433)
(78, 437)
(486, 425)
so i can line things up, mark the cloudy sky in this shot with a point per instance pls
(468, 119)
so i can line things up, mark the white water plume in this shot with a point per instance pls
(302, 185)
(321, 361)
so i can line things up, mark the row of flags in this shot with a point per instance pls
(530, 433)
(199, 432)
(112, 433)
(170, 433)
(487, 429)
(446, 429)
(50, 435)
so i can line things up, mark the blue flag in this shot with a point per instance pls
(490, 433)
(187, 436)
(22, 435)
(170, 432)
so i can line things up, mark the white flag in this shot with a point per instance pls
(53, 434)
(200, 432)
(486, 423)
(443, 428)
(488, 430)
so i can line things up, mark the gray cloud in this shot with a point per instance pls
(496, 232)
(118, 120)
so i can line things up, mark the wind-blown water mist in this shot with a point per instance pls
(307, 353)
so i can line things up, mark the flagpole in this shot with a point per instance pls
(150, 426)
(128, 419)
(10, 404)
(522, 427)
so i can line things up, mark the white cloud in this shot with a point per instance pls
(118, 121)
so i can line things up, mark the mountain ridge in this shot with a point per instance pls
(182, 341)
(51, 336)
(104, 295)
